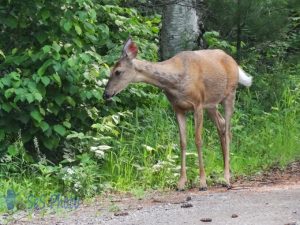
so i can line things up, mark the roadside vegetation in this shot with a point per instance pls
(58, 136)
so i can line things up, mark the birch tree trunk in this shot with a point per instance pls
(180, 27)
(238, 31)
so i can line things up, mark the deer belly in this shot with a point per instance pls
(212, 100)
(180, 101)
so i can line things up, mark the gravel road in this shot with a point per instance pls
(276, 205)
(270, 199)
(265, 207)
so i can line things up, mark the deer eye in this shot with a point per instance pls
(118, 73)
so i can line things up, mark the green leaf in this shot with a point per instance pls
(42, 111)
(61, 130)
(29, 97)
(2, 54)
(41, 37)
(43, 68)
(93, 13)
(56, 56)
(44, 125)
(104, 29)
(45, 14)
(46, 49)
(92, 38)
(119, 22)
(71, 62)
(59, 99)
(15, 76)
(85, 57)
(51, 142)
(45, 81)
(38, 96)
(6, 81)
(56, 47)
(7, 107)
(14, 51)
(88, 94)
(155, 30)
(68, 47)
(32, 86)
(78, 29)
(97, 94)
(12, 150)
(78, 42)
(9, 92)
(36, 116)
(68, 25)
(37, 56)
(67, 124)
(56, 77)
(71, 101)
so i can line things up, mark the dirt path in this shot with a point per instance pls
(269, 199)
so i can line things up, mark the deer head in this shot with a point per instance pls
(123, 72)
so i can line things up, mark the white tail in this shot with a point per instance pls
(244, 78)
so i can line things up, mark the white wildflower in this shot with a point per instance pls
(148, 148)
(70, 171)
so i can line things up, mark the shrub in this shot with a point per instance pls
(55, 60)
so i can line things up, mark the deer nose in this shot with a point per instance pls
(106, 95)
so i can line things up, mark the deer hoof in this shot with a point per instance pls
(228, 186)
(203, 189)
(180, 189)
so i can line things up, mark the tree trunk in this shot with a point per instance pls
(180, 27)
(239, 31)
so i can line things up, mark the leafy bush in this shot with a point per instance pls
(213, 40)
(55, 58)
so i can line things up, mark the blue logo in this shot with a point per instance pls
(10, 199)
(55, 200)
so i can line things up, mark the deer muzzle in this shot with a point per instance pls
(107, 95)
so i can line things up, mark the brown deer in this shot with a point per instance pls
(192, 81)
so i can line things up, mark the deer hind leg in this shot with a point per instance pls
(198, 118)
(218, 119)
(228, 107)
(182, 134)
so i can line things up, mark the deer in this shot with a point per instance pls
(192, 81)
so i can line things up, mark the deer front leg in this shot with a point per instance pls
(182, 134)
(198, 117)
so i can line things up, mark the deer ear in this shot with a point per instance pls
(130, 49)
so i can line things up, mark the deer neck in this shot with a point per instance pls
(155, 74)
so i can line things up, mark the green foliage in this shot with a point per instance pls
(264, 25)
(213, 40)
(60, 53)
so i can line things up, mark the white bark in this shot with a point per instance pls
(180, 28)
